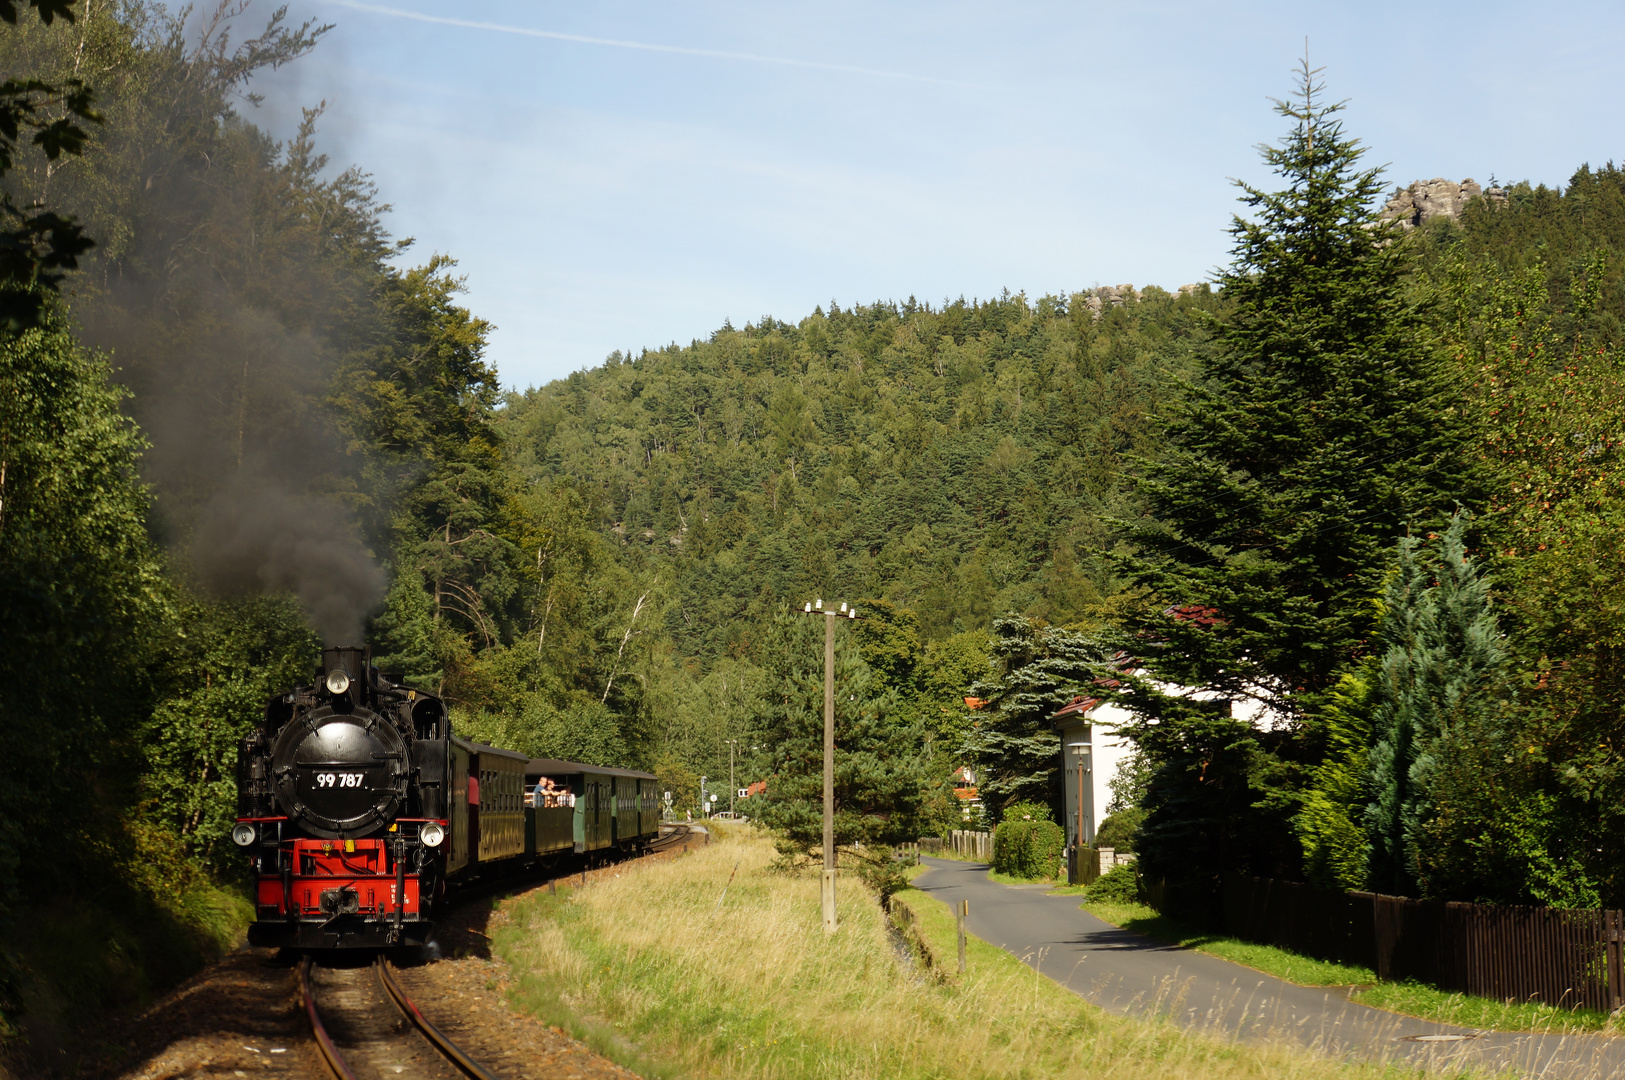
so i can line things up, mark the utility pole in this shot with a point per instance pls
(703, 779)
(828, 892)
(733, 788)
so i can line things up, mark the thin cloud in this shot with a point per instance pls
(613, 43)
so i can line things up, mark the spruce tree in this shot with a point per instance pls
(1319, 429)
(1037, 670)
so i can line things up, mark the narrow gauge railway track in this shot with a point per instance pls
(367, 1037)
(678, 836)
(374, 1043)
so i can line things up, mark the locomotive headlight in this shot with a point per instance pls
(244, 834)
(337, 681)
(431, 835)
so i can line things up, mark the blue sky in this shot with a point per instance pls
(757, 159)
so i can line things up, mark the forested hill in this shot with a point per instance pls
(246, 420)
(959, 460)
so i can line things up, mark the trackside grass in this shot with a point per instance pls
(1409, 998)
(641, 968)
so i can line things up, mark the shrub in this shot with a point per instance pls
(1030, 849)
(1026, 811)
(1118, 885)
(1120, 829)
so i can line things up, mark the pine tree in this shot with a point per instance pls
(880, 779)
(1319, 429)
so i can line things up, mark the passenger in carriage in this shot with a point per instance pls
(548, 795)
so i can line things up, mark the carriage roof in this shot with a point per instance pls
(555, 767)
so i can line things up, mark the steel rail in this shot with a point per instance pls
(680, 832)
(324, 1042)
(450, 1050)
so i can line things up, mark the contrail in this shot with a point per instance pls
(581, 39)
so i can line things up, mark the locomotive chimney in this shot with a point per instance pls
(353, 660)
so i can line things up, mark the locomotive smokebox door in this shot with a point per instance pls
(340, 774)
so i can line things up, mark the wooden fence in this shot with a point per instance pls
(1314, 922)
(975, 845)
(1561, 957)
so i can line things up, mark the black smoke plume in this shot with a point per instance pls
(253, 537)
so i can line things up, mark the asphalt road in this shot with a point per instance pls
(1126, 973)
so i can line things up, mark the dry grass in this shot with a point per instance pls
(642, 967)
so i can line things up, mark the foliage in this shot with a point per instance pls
(600, 568)
(1037, 670)
(1442, 656)
(1119, 885)
(1548, 239)
(1120, 831)
(1526, 804)
(1213, 802)
(879, 776)
(1318, 434)
(1027, 844)
(1130, 782)
(1330, 822)
(1028, 811)
(954, 461)
(1315, 438)
(37, 245)
(218, 672)
(586, 731)
(80, 590)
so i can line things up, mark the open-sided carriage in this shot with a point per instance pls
(605, 808)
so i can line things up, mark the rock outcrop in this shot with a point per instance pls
(1110, 296)
(1428, 199)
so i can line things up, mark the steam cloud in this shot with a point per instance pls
(258, 538)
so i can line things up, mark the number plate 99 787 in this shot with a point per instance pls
(338, 780)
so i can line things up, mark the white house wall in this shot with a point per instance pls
(1110, 747)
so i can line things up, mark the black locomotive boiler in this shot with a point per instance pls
(358, 808)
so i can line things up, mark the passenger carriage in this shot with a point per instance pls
(358, 809)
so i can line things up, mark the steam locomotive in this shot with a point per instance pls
(359, 809)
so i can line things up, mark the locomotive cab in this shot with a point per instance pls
(342, 809)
